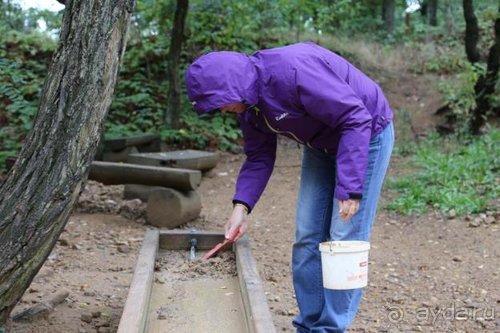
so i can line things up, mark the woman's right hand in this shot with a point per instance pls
(237, 222)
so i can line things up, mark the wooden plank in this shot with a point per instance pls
(184, 159)
(121, 143)
(258, 316)
(135, 313)
(181, 239)
(110, 173)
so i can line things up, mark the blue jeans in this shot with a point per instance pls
(326, 310)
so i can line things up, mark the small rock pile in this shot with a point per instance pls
(99, 198)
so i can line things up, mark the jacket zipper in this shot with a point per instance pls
(283, 132)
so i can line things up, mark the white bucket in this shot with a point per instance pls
(344, 264)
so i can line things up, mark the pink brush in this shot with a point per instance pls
(219, 246)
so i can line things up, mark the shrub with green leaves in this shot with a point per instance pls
(464, 177)
(219, 131)
(23, 60)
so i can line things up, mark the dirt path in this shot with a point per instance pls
(441, 274)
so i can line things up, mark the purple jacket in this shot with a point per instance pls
(301, 91)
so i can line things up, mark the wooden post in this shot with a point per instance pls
(110, 173)
(168, 208)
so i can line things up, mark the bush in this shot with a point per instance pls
(464, 177)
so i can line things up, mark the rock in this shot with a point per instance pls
(457, 259)
(102, 323)
(86, 317)
(96, 314)
(475, 223)
(103, 330)
(489, 220)
(110, 202)
(123, 249)
(89, 293)
(452, 214)
(159, 280)
(281, 312)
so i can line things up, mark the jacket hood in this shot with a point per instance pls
(221, 78)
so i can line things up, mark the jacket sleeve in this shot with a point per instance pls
(260, 151)
(329, 98)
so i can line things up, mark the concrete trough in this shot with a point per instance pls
(203, 310)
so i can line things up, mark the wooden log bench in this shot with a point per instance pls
(110, 173)
(171, 196)
(118, 149)
(184, 159)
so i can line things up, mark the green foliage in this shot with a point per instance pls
(458, 91)
(349, 17)
(23, 60)
(220, 131)
(447, 63)
(141, 93)
(464, 177)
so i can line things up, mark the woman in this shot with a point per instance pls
(342, 118)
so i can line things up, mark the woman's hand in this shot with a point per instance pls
(348, 208)
(237, 221)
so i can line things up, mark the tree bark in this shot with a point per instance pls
(38, 193)
(485, 85)
(432, 12)
(471, 32)
(388, 8)
(173, 111)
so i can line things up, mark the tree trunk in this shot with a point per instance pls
(388, 8)
(432, 12)
(173, 111)
(471, 32)
(485, 85)
(38, 194)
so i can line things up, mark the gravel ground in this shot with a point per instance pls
(427, 273)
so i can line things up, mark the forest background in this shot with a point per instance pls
(456, 161)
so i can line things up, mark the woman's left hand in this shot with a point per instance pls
(348, 208)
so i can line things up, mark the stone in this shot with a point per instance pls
(123, 249)
(452, 214)
(86, 317)
(475, 223)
